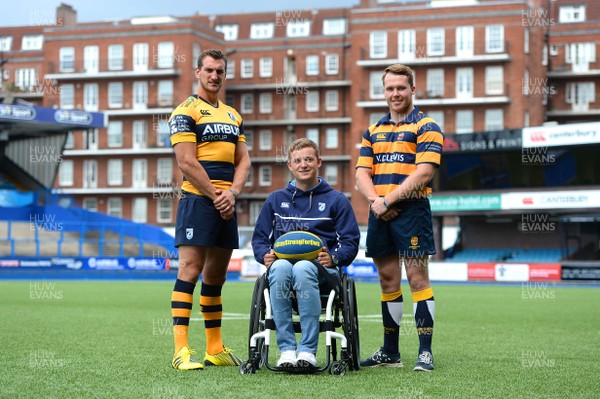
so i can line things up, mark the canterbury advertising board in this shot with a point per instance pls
(561, 135)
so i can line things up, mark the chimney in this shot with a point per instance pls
(66, 16)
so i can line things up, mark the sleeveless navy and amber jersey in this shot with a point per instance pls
(216, 132)
(393, 150)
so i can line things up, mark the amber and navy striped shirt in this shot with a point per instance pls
(216, 132)
(393, 150)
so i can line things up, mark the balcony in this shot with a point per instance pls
(423, 102)
(69, 71)
(307, 121)
(118, 151)
(288, 86)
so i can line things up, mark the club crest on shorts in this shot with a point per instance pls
(321, 206)
(189, 233)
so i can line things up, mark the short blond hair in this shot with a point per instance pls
(301, 143)
(399, 69)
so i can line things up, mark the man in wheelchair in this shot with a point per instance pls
(310, 204)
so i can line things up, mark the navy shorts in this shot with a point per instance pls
(410, 234)
(199, 223)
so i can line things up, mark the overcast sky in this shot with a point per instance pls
(42, 12)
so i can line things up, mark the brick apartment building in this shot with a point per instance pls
(481, 65)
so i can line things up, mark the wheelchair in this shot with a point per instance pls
(338, 309)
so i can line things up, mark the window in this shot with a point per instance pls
(312, 65)
(70, 143)
(164, 211)
(580, 55)
(115, 57)
(494, 80)
(526, 119)
(32, 42)
(90, 96)
(115, 95)
(139, 173)
(230, 31)
(378, 44)
(494, 38)
(67, 59)
(196, 51)
(114, 175)
(313, 134)
(255, 208)
(580, 95)
(90, 173)
(5, 43)
(140, 56)
(334, 26)
(331, 137)
(375, 117)
(265, 103)
(247, 68)
(526, 40)
(312, 101)
(250, 179)
(265, 176)
(139, 210)
(553, 49)
(140, 95)
(115, 134)
(261, 30)
(163, 132)
(114, 207)
(571, 13)
(464, 82)
(65, 174)
(67, 96)
(140, 134)
(166, 55)
(265, 67)
(464, 41)
(249, 139)
(332, 100)
(438, 117)
(25, 78)
(247, 101)
(331, 174)
(332, 64)
(90, 59)
(230, 69)
(435, 41)
(406, 44)
(545, 55)
(464, 121)
(165, 93)
(376, 85)
(525, 88)
(90, 204)
(435, 83)
(494, 119)
(265, 140)
(300, 28)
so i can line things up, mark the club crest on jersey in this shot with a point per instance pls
(189, 233)
(231, 116)
(321, 206)
(380, 137)
(285, 204)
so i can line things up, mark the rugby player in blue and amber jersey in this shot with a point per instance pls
(210, 147)
(398, 158)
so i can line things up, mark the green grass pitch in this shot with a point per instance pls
(114, 340)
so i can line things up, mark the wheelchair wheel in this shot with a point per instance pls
(257, 317)
(350, 322)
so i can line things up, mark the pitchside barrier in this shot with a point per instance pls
(243, 264)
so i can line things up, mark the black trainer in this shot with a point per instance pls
(424, 362)
(381, 358)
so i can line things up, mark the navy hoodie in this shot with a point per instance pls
(320, 210)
